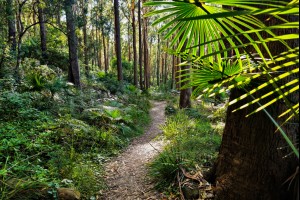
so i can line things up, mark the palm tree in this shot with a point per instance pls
(260, 76)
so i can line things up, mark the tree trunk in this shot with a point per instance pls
(177, 72)
(173, 72)
(105, 54)
(42, 33)
(158, 61)
(85, 40)
(162, 69)
(73, 73)
(166, 66)
(118, 40)
(250, 166)
(11, 22)
(135, 72)
(185, 94)
(253, 161)
(146, 57)
(140, 45)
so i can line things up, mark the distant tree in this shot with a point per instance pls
(73, 72)
(140, 45)
(118, 40)
(11, 22)
(158, 61)
(146, 53)
(42, 31)
(135, 71)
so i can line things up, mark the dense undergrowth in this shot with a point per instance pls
(193, 138)
(53, 135)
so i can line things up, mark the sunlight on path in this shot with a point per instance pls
(126, 175)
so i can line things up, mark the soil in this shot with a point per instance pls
(126, 175)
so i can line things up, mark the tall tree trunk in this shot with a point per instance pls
(105, 52)
(146, 57)
(42, 33)
(173, 71)
(135, 71)
(162, 68)
(185, 94)
(166, 65)
(118, 40)
(177, 72)
(11, 22)
(73, 73)
(140, 45)
(158, 61)
(85, 39)
(128, 36)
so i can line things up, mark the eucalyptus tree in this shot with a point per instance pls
(73, 70)
(135, 71)
(11, 23)
(140, 45)
(118, 40)
(41, 16)
(252, 163)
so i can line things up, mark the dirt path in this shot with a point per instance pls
(126, 175)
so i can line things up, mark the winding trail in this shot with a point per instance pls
(126, 175)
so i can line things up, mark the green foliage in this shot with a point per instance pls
(192, 142)
(56, 57)
(127, 68)
(57, 136)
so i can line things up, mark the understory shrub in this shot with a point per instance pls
(192, 143)
(53, 135)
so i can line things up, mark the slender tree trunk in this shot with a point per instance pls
(162, 68)
(146, 57)
(129, 46)
(73, 73)
(108, 53)
(42, 33)
(118, 40)
(185, 94)
(158, 61)
(173, 71)
(140, 45)
(135, 71)
(177, 73)
(11, 22)
(85, 40)
(105, 54)
(166, 65)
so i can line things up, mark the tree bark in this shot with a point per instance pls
(140, 45)
(146, 57)
(118, 40)
(135, 71)
(85, 39)
(250, 166)
(42, 33)
(73, 72)
(158, 61)
(185, 94)
(11, 22)
(252, 162)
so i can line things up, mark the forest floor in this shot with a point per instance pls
(126, 175)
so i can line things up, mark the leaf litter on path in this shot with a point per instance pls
(126, 175)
